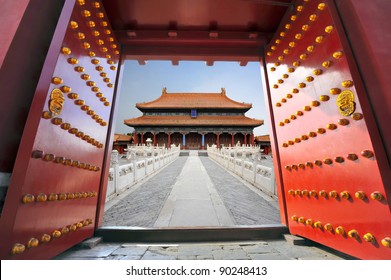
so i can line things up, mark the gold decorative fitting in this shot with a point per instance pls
(315, 103)
(300, 8)
(377, 196)
(296, 63)
(64, 230)
(100, 15)
(286, 51)
(275, 86)
(357, 116)
(294, 218)
(329, 29)
(272, 47)
(91, 23)
(80, 36)
(99, 68)
(345, 103)
(52, 197)
(72, 60)
(79, 69)
(90, 83)
(37, 154)
(291, 143)
(299, 113)
(79, 102)
(280, 81)
(335, 91)
(73, 24)
(301, 220)
(86, 45)
(313, 193)
(321, 130)
(347, 83)
(326, 64)
(339, 159)
(56, 234)
(81, 2)
(95, 117)
(73, 96)
(318, 224)
(340, 230)
(79, 225)
(272, 69)
(360, 195)
(309, 222)
(287, 167)
(95, 89)
(91, 54)
(345, 195)
(328, 161)
(298, 36)
(333, 194)
(305, 192)
(343, 122)
(303, 56)
(297, 140)
(285, 76)
(96, 5)
(307, 108)
(310, 48)
(317, 72)
(47, 115)
(100, 42)
(86, 13)
(309, 79)
(28, 198)
(90, 112)
(324, 98)
(313, 17)
(104, 49)
(295, 90)
(283, 100)
(57, 80)
(85, 107)
(59, 160)
(65, 126)
(42, 197)
(294, 166)
(275, 64)
(18, 249)
(368, 237)
(292, 44)
(291, 70)
(95, 61)
(338, 55)
(319, 39)
(293, 17)
(45, 238)
(312, 134)
(85, 77)
(331, 126)
(268, 53)
(48, 157)
(285, 145)
(321, 6)
(353, 234)
(367, 154)
(280, 58)
(302, 85)
(103, 99)
(386, 242)
(281, 123)
(291, 192)
(323, 193)
(305, 27)
(278, 41)
(304, 137)
(328, 227)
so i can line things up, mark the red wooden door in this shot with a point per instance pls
(331, 184)
(52, 200)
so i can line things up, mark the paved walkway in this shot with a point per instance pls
(192, 191)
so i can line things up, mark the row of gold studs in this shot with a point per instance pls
(93, 4)
(79, 102)
(37, 154)
(321, 130)
(73, 130)
(368, 237)
(315, 103)
(19, 248)
(74, 61)
(293, 18)
(328, 161)
(42, 197)
(378, 196)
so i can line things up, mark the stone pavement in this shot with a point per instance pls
(252, 250)
(192, 191)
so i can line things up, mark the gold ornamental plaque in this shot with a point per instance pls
(345, 103)
(56, 101)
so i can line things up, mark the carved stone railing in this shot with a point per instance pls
(138, 163)
(248, 162)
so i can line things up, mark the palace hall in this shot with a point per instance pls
(194, 120)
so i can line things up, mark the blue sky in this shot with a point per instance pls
(145, 83)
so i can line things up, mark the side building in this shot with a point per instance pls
(194, 120)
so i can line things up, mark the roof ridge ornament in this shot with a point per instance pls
(223, 91)
(164, 91)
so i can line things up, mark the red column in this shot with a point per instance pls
(252, 138)
(169, 140)
(135, 137)
(142, 138)
(218, 140)
(232, 139)
(245, 139)
(154, 138)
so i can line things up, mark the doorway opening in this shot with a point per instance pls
(197, 188)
